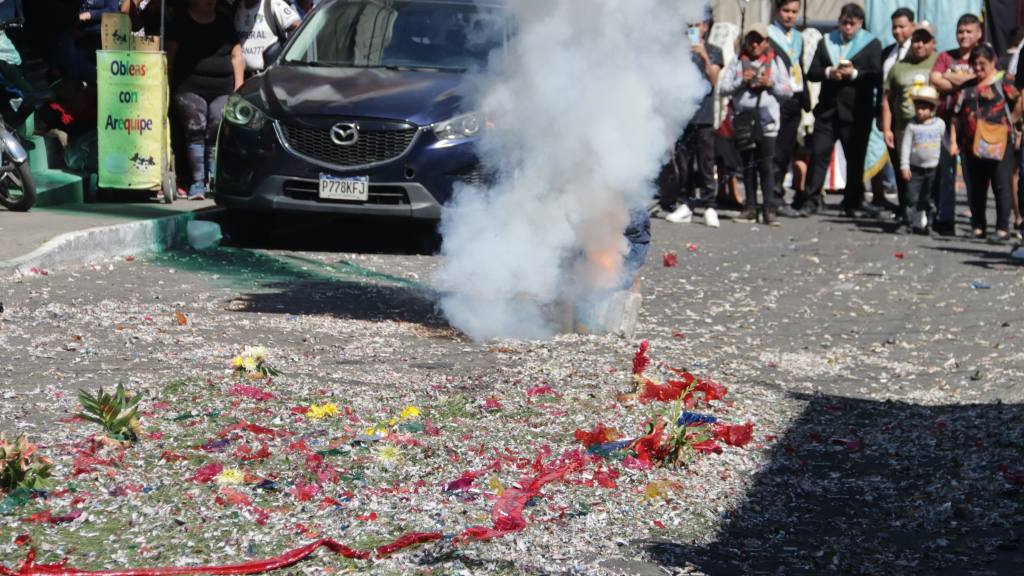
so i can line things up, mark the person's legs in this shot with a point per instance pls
(20, 88)
(668, 186)
(193, 111)
(766, 172)
(214, 113)
(704, 139)
(799, 180)
(915, 190)
(944, 193)
(821, 156)
(977, 191)
(924, 199)
(1001, 179)
(669, 183)
(855, 146)
(1020, 191)
(749, 163)
(785, 144)
(686, 152)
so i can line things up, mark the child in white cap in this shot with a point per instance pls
(919, 156)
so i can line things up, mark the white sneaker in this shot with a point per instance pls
(711, 218)
(922, 220)
(681, 215)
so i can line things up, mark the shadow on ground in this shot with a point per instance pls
(320, 233)
(294, 285)
(863, 487)
(985, 255)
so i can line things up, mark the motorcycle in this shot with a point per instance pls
(17, 186)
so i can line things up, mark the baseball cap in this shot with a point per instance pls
(756, 28)
(922, 28)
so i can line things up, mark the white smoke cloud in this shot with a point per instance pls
(586, 101)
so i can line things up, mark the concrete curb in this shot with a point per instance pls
(130, 238)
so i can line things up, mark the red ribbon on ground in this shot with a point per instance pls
(30, 568)
(507, 514)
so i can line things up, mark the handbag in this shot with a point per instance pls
(746, 127)
(990, 138)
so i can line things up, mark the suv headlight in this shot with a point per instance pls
(241, 112)
(459, 128)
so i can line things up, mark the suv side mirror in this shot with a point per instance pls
(272, 53)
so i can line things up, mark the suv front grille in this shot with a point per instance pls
(374, 146)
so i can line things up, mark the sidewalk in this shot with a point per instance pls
(100, 225)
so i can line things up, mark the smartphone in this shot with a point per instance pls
(694, 34)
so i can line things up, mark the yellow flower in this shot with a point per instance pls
(319, 412)
(409, 412)
(249, 364)
(374, 431)
(231, 476)
(389, 455)
(236, 362)
(392, 421)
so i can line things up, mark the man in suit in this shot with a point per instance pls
(788, 44)
(848, 64)
(902, 28)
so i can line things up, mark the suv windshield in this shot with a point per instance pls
(400, 34)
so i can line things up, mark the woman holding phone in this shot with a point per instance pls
(757, 81)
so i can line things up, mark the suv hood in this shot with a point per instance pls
(418, 96)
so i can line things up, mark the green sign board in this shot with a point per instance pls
(132, 98)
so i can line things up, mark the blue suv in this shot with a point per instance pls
(362, 114)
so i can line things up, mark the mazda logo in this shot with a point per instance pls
(344, 134)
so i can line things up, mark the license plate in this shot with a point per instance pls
(335, 188)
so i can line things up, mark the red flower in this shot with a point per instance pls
(492, 404)
(650, 446)
(707, 447)
(541, 390)
(605, 478)
(669, 392)
(305, 492)
(670, 259)
(640, 359)
(207, 473)
(738, 435)
(712, 390)
(599, 435)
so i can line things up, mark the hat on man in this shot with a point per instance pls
(924, 28)
(925, 94)
(756, 28)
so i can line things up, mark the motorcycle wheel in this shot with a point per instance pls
(18, 189)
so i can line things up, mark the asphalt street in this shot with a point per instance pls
(887, 368)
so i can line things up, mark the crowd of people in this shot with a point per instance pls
(931, 112)
(212, 47)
